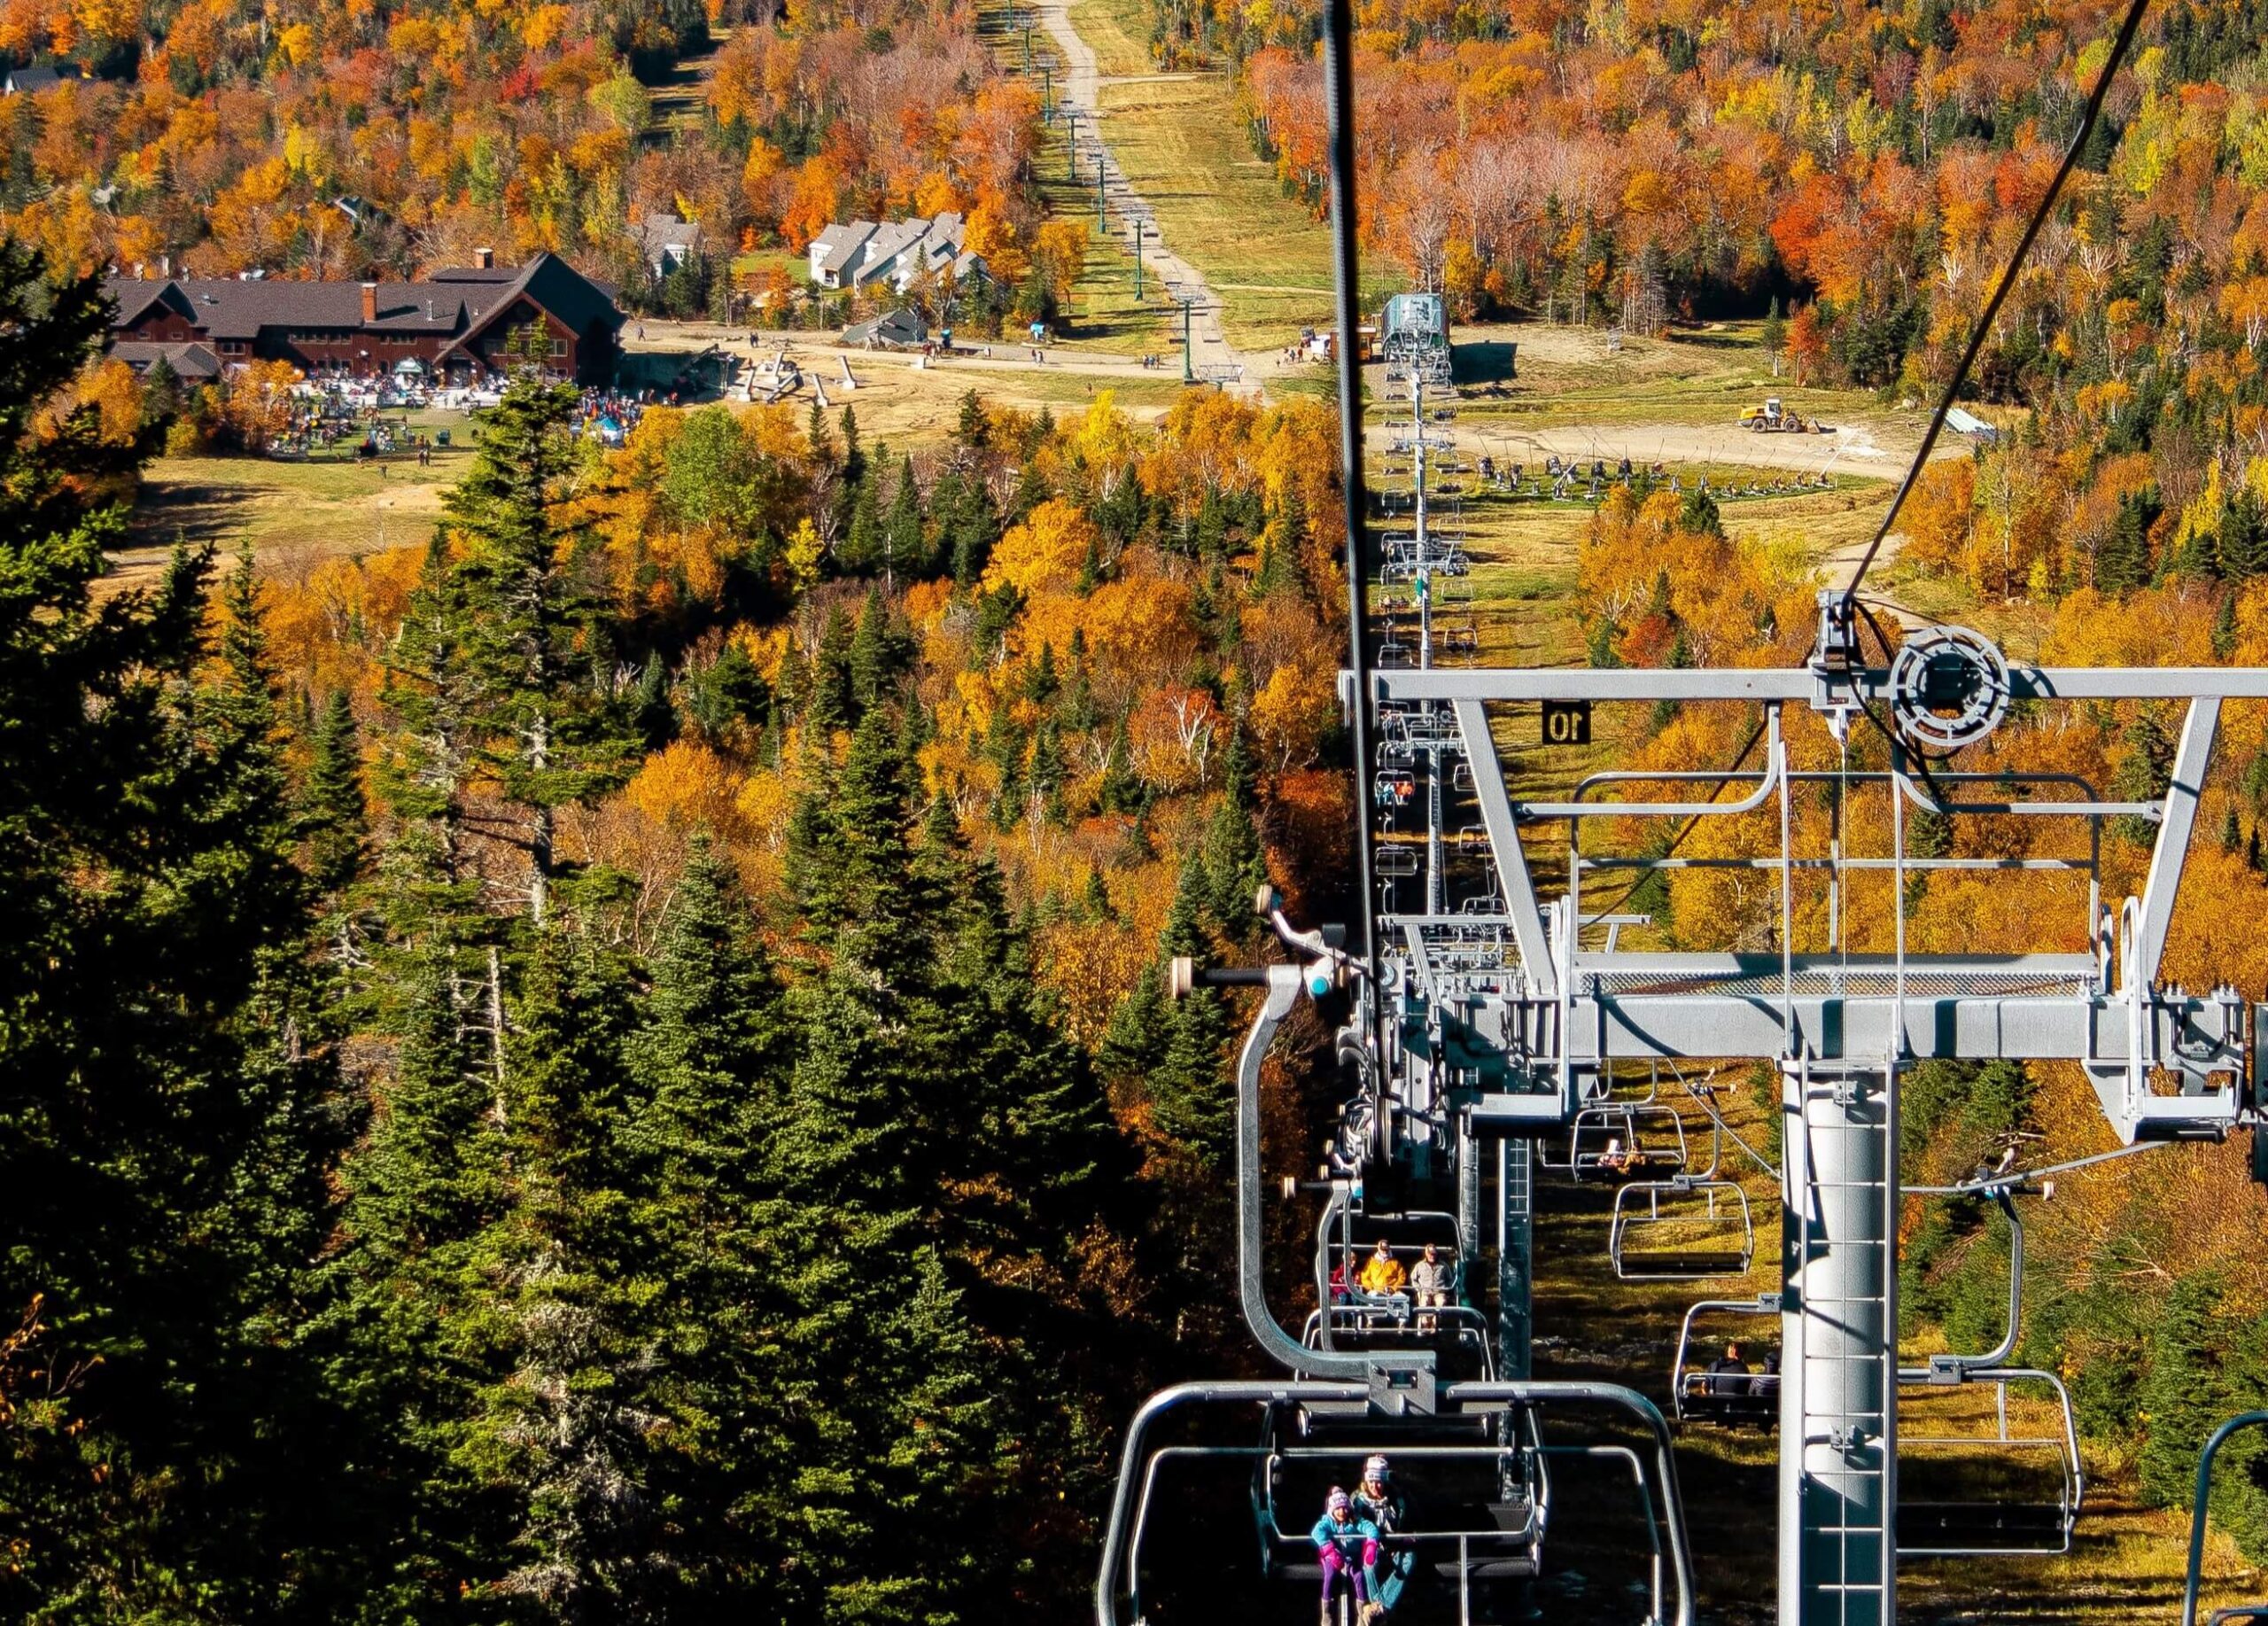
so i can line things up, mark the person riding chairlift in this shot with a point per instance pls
(1348, 1546)
(1382, 1275)
(1729, 1375)
(1429, 1287)
(1378, 1501)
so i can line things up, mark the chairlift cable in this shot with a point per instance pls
(1718, 1119)
(1340, 95)
(2001, 290)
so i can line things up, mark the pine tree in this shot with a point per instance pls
(532, 643)
(1235, 866)
(2241, 545)
(865, 543)
(976, 524)
(906, 546)
(160, 1116)
(879, 654)
(333, 820)
(1190, 1097)
(570, 1416)
(2123, 562)
(834, 702)
(974, 431)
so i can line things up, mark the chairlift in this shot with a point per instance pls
(1681, 1229)
(1624, 1139)
(1395, 655)
(1686, 1228)
(2195, 1578)
(1947, 1506)
(1461, 777)
(1396, 863)
(1393, 787)
(1478, 1508)
(1723, 1399)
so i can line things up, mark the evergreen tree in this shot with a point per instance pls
(159, 1114)
(1190, 1100)
(865, 542)
(2241, 544)
(972, 432)
(834, 703)
(543, 723)
(976, 524)
(905, 547)
(879, 654)
(2122, 561)
(333, 820)
(1235, 866)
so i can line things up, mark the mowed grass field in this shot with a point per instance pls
(281, 508)
(1182, 147)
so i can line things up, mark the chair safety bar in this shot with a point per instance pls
(1119, 1577)
(2197, 1573)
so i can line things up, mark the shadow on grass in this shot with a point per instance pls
(191, 511)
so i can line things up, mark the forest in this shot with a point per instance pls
(614, 1066)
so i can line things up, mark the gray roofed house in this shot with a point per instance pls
(900, 330)
(31, 80)
(192, 364)
(895, 254)
(837, 252)
(669, 243)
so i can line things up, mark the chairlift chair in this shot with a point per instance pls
(1940, 1512)
(1681, 1229)
(1702, 1397)
(1703, 1230)
(1624, 1139)
(1396, 862)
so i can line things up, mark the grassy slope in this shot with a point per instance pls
(1183, 148)
(311, 509)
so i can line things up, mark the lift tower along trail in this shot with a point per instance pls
(1522, 1048)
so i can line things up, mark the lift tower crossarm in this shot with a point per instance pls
(1796, 684)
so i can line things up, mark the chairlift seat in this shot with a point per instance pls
(1733, 1411)
(1984, 1527)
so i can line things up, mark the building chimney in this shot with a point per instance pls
(369, 301)
(484, 258)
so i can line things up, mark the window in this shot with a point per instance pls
(232, 347)
(558, 347)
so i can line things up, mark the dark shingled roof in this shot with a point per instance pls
(448, 302)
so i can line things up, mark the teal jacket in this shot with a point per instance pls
(1349, 1538)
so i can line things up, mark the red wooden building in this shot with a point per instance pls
(457, 326)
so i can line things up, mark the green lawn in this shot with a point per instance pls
(1117, 31)
(323, 506)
